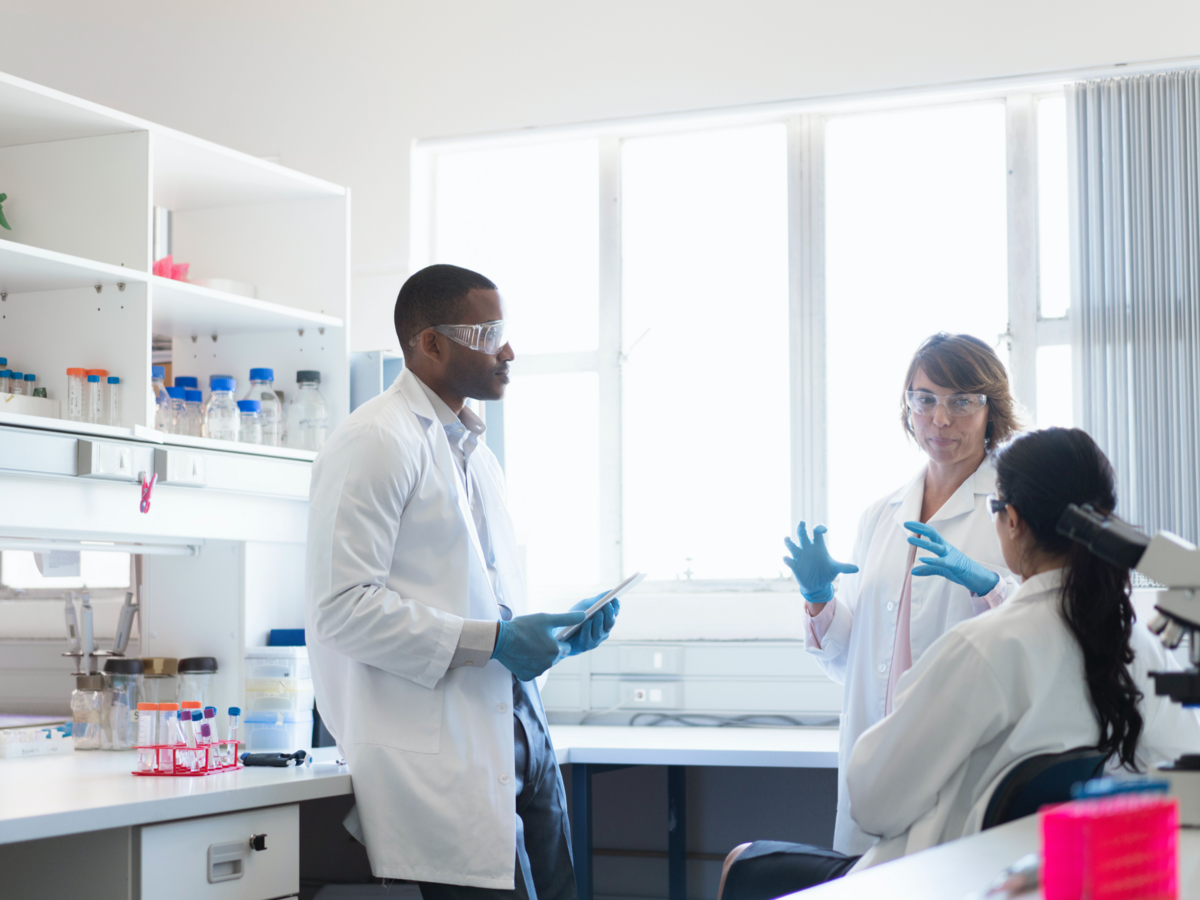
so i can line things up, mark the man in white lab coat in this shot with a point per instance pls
(422, 658)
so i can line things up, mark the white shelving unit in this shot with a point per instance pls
(75, 283)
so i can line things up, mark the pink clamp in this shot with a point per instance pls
(147, 489)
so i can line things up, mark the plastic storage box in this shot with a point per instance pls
(1116, 848)
(285, 731)
(277, 662)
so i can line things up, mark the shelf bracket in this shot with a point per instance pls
(99, 288)
(301, 330)
(214, 337)
(120, 285)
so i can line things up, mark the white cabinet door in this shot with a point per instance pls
(212, 858)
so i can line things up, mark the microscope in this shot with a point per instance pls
(1175, 563)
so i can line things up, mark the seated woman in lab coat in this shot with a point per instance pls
(1061, 664)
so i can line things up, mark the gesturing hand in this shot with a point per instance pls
(812, 565)
(949, 562)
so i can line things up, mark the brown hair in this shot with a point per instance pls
(969, 366)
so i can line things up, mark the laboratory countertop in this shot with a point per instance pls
(808, 748)
(48, 796)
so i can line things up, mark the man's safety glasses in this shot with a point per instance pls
(486, 338)
(925, 403)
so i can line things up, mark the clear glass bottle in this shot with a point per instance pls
(30, 384)
(193, 400)
(207, 408)
(308, 419)
(86, 702)
(75, 383)
(162, 401)
(5, 381)
(178, 409)
(17, 385)
(222, 419)
(114, 400)
(250, 429)
(95, 400)
(122, 694)
(262, 389)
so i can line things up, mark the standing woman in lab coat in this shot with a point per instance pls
(956, 404)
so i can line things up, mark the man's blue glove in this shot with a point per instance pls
(594, 631)
(527, 645)
(950, 562)
(812, 565)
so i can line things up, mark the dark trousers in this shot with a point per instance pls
(768, 869)
(543, 866)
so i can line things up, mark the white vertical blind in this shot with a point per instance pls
(1137, 157)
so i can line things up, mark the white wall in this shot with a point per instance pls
(341, 89)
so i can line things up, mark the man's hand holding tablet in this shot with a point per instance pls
(595, 605)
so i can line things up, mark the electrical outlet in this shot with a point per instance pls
(654, 694)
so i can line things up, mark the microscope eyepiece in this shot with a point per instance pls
(1106, 536)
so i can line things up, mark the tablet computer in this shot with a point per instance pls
(632, 581)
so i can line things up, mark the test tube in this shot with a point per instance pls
(114, 400)
(75, 382)
(17, 385)
(5, 380)
(30, 384)
(95, 400)
(191, 726)
(168, 725)
(235, 720)
(147, 716)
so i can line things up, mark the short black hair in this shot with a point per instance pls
(434, 296)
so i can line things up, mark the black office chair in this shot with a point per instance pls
(1039, 780)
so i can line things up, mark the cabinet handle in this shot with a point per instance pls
(226, 862)
(258, 842)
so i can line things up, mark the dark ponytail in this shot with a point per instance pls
(1038, 475)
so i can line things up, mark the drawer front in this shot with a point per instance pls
(211, 858)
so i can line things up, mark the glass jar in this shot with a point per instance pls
(122, 693)
(160, 683)
(178, 405)
(192, 400)
(75, 382)
(206, 410)
(308, 419)
(262, 389)
(162, 402)
(87, 702)
(222, 419)
(195, 679)
(250, 430)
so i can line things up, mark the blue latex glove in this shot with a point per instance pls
(594, 631)
(950, 562)
(527, 645)
(812, 565)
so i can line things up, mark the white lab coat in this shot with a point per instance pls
(394, 567)
(856, 649)
(992, 692)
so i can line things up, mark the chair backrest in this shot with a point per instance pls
(1039, 780)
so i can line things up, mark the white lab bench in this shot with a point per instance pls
(81, 822)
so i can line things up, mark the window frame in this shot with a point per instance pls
(805, 125)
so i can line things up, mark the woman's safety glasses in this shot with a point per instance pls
(996, 505)
(486, 338)
(924, 403)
